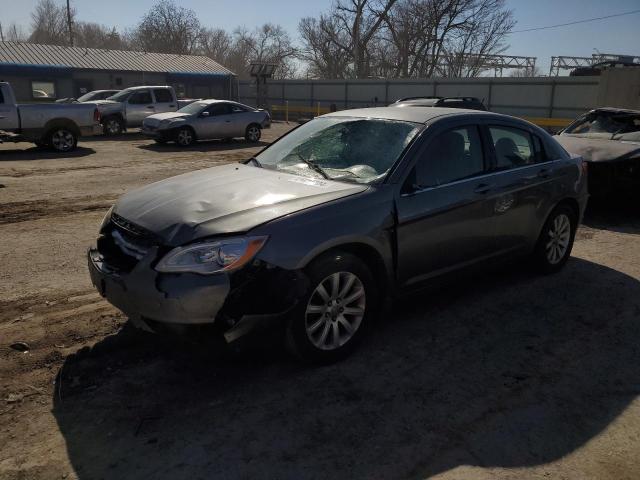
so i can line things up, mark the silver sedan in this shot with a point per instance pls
(207, 120)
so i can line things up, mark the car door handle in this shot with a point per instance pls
(544, 173)
(483, 188)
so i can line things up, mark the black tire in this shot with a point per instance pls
(62, 139)
(332, 319)
(551, 254)
(185, 137)
(112, 126)
(253, 133)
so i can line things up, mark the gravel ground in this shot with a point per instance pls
(509, 375)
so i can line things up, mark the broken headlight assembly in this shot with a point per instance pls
(211, 257)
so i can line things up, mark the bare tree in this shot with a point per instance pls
(167, 28)
(49, 23)
(482, 33)
(94, 35)
(269, 44)
(361, 20)
(321, 49)
(215, 43)
(13, 33)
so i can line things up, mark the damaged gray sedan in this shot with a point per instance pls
(312, 234)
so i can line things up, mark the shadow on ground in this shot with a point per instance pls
(204, 146)
(41, 153)
(618, 212)
(508, 370)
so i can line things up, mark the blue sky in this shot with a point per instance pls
(615, 35)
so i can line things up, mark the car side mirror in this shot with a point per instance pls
(205, 114)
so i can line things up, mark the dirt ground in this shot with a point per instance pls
(511, 375)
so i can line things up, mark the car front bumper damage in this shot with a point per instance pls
(257, 298)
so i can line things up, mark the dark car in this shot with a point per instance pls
(609, 141)
(353, 207)
(469, 103)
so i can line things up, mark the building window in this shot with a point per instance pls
(43, 90)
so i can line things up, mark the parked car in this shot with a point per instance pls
(609, 140)
(89, 97)
(350, 208)
(207, 120)
(129, 107)
(45, 124)
(598, 68)
(470, 103)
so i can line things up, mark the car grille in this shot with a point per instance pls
(123, 244)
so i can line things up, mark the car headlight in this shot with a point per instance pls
(211, 257)
(168, 122)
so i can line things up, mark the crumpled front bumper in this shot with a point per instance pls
(144, 294)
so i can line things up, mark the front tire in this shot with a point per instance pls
(253, 133)
(556, 239)
(62, 140)
(335, 312)
(185, 137)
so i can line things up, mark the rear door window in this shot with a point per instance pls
(453, 155)
(140, 98)
(513, 147)
(162, 95)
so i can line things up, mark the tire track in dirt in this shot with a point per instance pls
(14, 212)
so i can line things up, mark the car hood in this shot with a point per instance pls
(104, 102)
(156, 118)
(599, 150)
(227, 199)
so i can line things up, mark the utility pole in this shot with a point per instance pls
(69, 23)
(1, 34)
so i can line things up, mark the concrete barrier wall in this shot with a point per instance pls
(559, 98)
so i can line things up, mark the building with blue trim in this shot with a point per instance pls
(49, 72)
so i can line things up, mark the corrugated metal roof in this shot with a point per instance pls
(31, 54)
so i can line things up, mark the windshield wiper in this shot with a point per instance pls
(313, 166)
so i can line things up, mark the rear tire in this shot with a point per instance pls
(336, 310)
(253, 133)
(62, 139)
(112, 126)
(556, 239)
(185, 137)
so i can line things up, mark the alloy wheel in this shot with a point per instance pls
(558, 239)
(253, 133)
(185, 137)
(113, 127)
(335, 310)
(62, 140)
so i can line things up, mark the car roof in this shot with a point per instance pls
(415, 115)
(211, 101)
(140, 87)
(615, 110)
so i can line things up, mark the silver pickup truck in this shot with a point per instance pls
(45, 124)
(131, 106)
